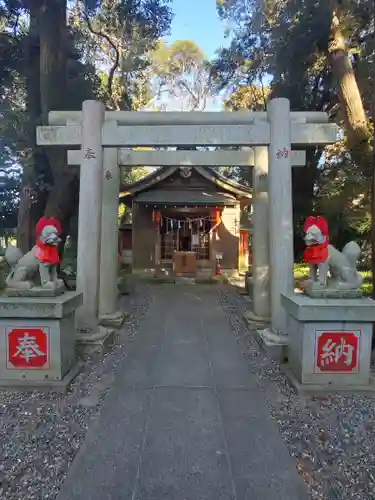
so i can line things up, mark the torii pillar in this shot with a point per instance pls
(109, 315)
(280, 209)
(261, 272)
(107, 312)
(89, 214)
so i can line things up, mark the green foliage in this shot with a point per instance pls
(285, 43)
(248, 97)
(181, 74)
(113, 51)
(107, 50)
(121, 35)
(129, 175)
(10, 179)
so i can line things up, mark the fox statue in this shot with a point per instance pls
(38, 267)
(324, 258)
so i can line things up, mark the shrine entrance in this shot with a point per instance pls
(185, 231)
(180, 222)
(185, 241)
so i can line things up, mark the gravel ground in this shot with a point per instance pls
(332, 438)
(40, 433)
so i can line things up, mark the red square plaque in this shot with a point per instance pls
(27, 348)
(337, 351)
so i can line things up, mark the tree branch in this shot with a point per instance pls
(116, 62)
(190, 92)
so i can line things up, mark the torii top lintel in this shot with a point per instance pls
(219, 129)
(189, 135)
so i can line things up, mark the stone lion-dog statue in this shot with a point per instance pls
(324, 259)
(37, 269)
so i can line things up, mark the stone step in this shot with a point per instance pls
(204, 273)
(184, 280)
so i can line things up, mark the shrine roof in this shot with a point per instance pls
(182, 197)
(151, 180)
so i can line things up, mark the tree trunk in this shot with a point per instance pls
(373, 228)
(356, 124)
(373, 222)
(53, 55)
(27, 191)
(24, 219)
(303, 180)
(64, 204)
(62, 201)
(46, 90)
(360, 141)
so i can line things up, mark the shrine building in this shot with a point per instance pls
(183, 220)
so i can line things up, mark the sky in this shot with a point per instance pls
(197, 20)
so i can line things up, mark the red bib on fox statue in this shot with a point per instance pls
(316, 254)
(45, 253)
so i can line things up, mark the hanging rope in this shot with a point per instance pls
(195, 223)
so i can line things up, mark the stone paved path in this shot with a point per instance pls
(185, 419)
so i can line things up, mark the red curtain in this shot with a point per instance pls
(215, 215)
(156, 217)
(244, 241)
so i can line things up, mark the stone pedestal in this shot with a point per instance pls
(114, 320)
(96, 341)
(37, 341)
(35, 291)
(329, 343)
(253, 321)
(274, 345)
(316, 291)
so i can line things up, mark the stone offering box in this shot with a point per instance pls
(37, 341)
(329, 343)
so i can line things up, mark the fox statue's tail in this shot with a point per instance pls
(12, 255)
(352, 252)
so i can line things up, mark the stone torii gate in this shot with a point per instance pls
(100, 133)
